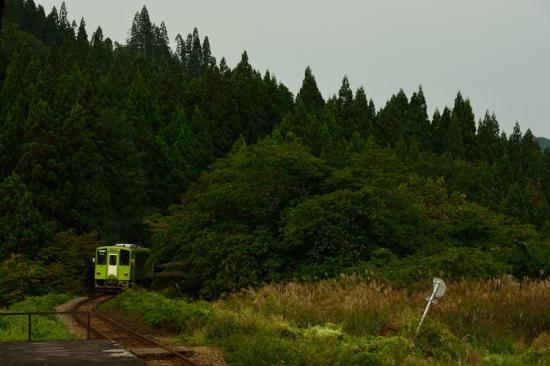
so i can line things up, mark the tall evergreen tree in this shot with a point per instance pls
(207, 59)
(305, 121)
(347, 121)
(122, 166)
(309, 95)
(161, 46)
(418, 123)
(181, 51)
(439, 129)
(63, 20)
(140, 105)
(194, 50)
(100, 51)
(514, 150)
(82, 42)
(11, 135)
(517, 203)
(39, 165)
(390, 120)
(85, 190)
(488, 137)
(142, 37)
(364, 112)
(193, 146)
(530, 156)
(22, 228)
(51, 28)
(461, 138)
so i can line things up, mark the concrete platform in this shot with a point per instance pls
(66, 353)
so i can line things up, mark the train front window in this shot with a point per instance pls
(101, 256)
(112, 260)
(124, 257)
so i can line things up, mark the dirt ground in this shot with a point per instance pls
(74, 328)
(207, 356)
(203, 356)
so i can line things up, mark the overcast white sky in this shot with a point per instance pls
(497, 52)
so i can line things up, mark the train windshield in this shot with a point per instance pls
(124, 257)
(102, 256)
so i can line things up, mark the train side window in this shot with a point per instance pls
(112, 260)
(124, 257)
(101, 256)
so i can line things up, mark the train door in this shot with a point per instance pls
(124, 265)
(112, 266)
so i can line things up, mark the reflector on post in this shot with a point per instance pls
(439, 289)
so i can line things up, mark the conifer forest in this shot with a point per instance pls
(233, 181)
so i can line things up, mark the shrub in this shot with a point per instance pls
(159, 312)
(435, 340)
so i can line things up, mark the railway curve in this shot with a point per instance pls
(104, 327)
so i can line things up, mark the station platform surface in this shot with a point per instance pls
(65, 353)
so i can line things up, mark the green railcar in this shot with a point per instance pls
(121, 266)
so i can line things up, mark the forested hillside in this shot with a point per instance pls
(543, 142)
(232, 179)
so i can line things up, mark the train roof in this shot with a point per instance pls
(125, 245)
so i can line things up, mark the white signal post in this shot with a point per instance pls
(439, 289)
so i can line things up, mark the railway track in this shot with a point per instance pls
(103, 327)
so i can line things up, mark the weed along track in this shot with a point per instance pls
(103, 327)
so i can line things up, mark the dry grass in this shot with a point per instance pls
(503, 309)
(497, 309)
(361, 307)
(336, 322)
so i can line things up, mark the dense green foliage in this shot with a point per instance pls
(99, 141)
(274, 211)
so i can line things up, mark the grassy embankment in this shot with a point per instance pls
(338, 322)
(14, 328)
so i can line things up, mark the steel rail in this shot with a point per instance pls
(83, 323)
(135, 335)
